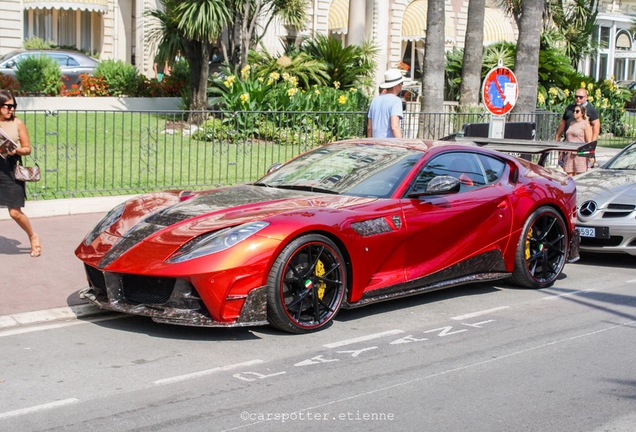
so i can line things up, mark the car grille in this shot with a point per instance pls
(612, 241)
(618, 210)
(147, 290)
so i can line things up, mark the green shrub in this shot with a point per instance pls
(35, 43)
(39, 75)
(122, 78)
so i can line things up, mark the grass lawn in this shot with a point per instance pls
(111, 153)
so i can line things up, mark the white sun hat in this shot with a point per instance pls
(392, 77)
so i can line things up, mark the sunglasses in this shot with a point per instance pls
(579, 96)
(577, 111)
(10, 106)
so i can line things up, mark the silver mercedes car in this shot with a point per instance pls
(606, 210)
(72, 63)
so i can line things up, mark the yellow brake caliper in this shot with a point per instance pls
(528, 244)
(320, 272)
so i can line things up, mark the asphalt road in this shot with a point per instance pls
(478, 358)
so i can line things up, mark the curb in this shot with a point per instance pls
(50, 315)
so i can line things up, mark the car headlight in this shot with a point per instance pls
(215, 242)
(112, 217)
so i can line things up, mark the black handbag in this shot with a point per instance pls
(26, 174)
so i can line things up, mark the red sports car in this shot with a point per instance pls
(341, 226)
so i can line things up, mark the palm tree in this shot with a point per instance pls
(193, 26)
(473, 48)
(433, 79)
(527, 57)
(350, 66)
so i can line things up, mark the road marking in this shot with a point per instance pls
(479, 313)
(570, 294)
(366, 394)
(206, 372)
(363, 338)
(631, 281)
(37, 408)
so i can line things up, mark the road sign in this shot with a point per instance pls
(499, 91)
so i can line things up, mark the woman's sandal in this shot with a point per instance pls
(36, 249)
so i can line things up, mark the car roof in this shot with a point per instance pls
(48, 51)
(415, 144)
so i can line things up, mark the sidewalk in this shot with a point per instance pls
(44, 289)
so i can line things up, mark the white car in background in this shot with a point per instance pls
(606, 205)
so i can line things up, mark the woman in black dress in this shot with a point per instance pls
(12, 191)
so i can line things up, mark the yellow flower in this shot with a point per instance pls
(553, 91)
(293, 80)
(590, 98)
(336, 84)
(590, 87)
(317, 91)
(292, 91)
(342, 100)
(274, 76)
(270, 81)
(353, 89)
(245, 71)
(583, 84)
(567, 92)
(245, 97)
(541, 99)
(229, 81)
(260, 79)
(285, 76)
(598, 93)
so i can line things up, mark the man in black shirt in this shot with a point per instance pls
(580, 98)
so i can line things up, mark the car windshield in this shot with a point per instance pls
(348, 169)
(626, 161)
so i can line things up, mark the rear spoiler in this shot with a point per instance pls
(530, 146)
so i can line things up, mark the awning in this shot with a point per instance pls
(498, 27)
(414, 22)
(100, 6)
(338, 21)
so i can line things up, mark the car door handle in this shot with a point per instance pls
(502, 205)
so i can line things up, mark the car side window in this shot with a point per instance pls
(60, 59)
(493, 167)
(464, 166)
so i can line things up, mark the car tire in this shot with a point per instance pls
(306, 285)
(542, 250)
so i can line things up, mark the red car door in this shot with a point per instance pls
(447, 230)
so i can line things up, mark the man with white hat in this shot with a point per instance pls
(385, 112)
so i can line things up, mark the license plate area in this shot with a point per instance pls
(594, 232)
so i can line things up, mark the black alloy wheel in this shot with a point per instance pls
(306, 285)
(542, 249)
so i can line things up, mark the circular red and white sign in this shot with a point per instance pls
(500, 91)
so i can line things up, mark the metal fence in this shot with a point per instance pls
(90, 153)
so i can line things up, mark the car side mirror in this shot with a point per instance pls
(11, 64)
(440, 185)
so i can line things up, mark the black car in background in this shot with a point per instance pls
(72, 63)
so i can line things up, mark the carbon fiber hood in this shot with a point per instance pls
(218, 209)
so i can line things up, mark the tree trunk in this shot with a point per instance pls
(527, 58)
(198, 55)
(470, 85)
(434, 65)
